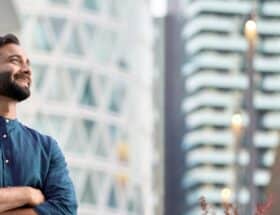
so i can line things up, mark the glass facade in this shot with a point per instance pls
(92, 74)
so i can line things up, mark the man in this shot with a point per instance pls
(34, 177)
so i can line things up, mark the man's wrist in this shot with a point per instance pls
(33, 196)
(28, 193)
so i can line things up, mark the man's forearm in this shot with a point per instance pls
(27, 211)
(13, 197)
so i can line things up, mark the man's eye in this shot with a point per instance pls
(15, 61)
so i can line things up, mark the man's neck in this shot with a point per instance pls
(7, 107)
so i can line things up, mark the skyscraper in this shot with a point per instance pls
(174, 117)
(92, 70)
(216, 84)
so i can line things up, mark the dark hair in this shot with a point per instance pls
(7, 39)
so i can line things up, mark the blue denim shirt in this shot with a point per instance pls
(29, 158)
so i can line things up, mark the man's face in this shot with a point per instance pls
(15, 73)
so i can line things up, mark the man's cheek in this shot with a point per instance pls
(5, 77)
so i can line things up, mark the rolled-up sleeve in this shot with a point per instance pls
(58, 188)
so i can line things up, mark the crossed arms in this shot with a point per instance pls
(57, 196)
(13, 198)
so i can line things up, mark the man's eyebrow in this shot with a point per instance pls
(19, 56)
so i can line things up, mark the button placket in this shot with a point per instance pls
(5, 155)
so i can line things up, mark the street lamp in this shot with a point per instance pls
(237, 122)
(251, 37)
(226, 198)
(251, 30)
(226, 194)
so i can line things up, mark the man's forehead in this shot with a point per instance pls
(12, 49)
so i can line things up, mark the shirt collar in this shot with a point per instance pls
(8, 123)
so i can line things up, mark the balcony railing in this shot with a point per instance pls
(218, 6)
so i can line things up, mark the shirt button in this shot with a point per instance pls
(7, 121)
(4, 135)
(7, 161)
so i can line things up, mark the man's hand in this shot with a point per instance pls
(36, 197)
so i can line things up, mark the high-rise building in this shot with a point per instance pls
(215, 72)
(174, 129)
(92, 66)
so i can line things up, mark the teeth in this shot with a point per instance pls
(24, 81)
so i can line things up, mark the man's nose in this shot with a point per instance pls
(26, 69)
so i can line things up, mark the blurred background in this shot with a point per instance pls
(156, 103)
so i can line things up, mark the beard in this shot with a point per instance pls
(9, 88)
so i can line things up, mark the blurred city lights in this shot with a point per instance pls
(122, 178)
(123, 151)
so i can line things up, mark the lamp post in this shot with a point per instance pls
(237, 124)
(226, 199)
(251, 37)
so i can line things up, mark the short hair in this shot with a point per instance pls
(8, 39)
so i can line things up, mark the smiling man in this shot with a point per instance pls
(34, 178)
